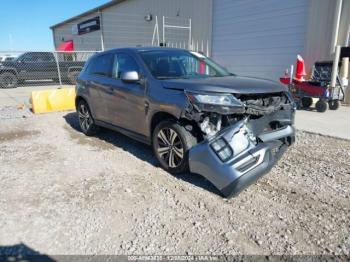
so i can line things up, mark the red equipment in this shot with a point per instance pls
(300, 70)
(317, 87)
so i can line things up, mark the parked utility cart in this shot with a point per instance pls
(319, 87)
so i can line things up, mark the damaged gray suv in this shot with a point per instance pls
(197, 116)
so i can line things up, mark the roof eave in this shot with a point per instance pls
(96, 9)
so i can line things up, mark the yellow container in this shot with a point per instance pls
(45, 101)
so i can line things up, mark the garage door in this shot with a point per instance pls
(258, 38)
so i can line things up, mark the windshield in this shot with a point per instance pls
(170, 64)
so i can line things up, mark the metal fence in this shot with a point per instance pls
(20, 68)
(98, 31)
(42, 68)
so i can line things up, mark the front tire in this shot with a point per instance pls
(321, 106)
(306, 102)
(171, 144)
(86, 122)
(333, 104)
(8, 80)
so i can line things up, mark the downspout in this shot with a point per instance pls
(336, 23)
(101, 28)
(54, 38)
(347, 43)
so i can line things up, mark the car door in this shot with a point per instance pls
(126, 106)
(98, 82)
(47, 66)
(27, 66)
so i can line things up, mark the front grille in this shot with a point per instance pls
(263, 104)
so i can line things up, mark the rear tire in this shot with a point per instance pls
(306, 102)
(8, 80)
(171, 143)
(86, 122)
(333, 104)
(321, 106)
(72, 77)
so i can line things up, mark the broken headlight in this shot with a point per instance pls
(215, 102)
(240, 141)
(222, 149)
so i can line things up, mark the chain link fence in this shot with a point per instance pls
(98, 31)
(42, 68)
(21, 68)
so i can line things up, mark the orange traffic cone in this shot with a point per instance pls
(300, 70)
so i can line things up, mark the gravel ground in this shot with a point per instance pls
(64, 193)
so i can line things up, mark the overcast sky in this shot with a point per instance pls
(25, 24)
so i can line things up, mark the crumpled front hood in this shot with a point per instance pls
(228, 84)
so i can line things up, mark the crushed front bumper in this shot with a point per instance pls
(248, 165)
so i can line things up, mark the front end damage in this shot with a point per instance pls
(242, 143)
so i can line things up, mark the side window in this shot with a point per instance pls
(123, 63)
(29, 58)
(101, 65)
(42, 57)
(47, 57)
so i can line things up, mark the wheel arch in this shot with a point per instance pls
(9, 70)
(158, 117)
(162, 116)
(79, 98)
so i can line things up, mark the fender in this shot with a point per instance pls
(8, 69)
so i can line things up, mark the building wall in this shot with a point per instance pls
(86, 42)
(344, 27)
(124, 24)
(259, 38)
(320, 30)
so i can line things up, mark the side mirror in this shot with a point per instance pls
(130, 77)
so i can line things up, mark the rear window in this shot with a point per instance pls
(101, 65)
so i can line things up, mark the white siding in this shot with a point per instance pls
(259, 38)
(124, 24)
(86, 42)
(319, 32)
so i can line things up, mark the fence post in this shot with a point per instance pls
(190, 32)
(163, 30)
(55, 54)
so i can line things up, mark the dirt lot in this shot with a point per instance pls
(64, 193)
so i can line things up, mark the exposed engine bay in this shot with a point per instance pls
(211, 120)
(243, 142)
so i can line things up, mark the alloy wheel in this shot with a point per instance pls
(8, 81)
(84, 117)
(170, 148)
